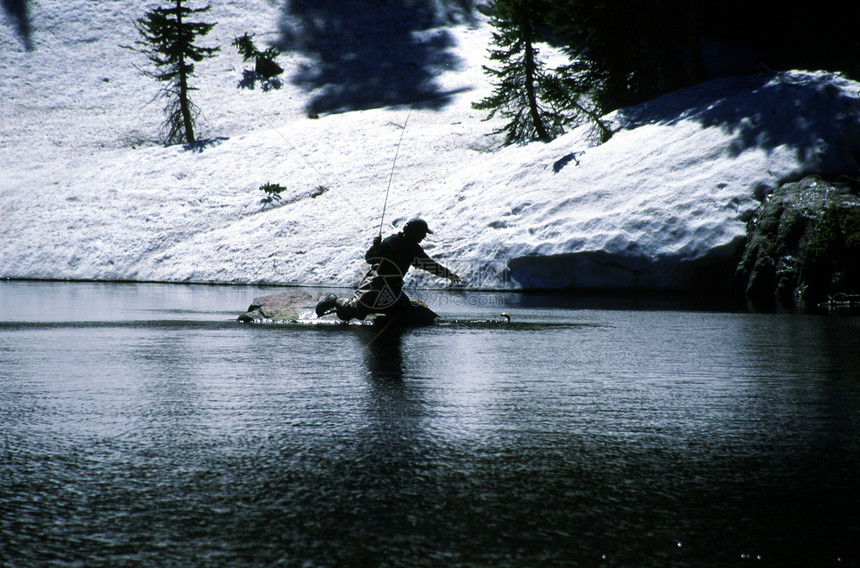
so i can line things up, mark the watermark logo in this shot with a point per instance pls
(384, 298)
(380, 288)
(441, 299)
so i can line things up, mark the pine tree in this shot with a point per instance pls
(521, 82)
(168, 43)
(265, 65)
(629, 54)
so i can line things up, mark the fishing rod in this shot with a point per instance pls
(397, 151)
(393, 164)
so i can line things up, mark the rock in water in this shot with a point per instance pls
(291, 305)
(282, 307)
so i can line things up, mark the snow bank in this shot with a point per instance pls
(82, 198)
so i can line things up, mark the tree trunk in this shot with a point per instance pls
(184, 106)
(531, 97)
(692, 63)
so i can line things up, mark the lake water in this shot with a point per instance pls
(142, 426)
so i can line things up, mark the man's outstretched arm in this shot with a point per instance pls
(428, 264)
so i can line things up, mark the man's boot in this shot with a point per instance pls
(327, 305)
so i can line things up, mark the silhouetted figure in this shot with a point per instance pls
(381, 289)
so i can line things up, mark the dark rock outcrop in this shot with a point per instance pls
(803, 244)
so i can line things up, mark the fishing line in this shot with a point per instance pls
(313, 167)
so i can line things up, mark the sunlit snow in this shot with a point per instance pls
(86, 194)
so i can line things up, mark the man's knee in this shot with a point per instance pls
(402, 303)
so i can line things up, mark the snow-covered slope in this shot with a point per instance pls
(83, 195)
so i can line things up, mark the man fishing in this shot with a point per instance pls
(381, 289)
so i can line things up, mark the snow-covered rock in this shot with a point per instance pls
(664, 204)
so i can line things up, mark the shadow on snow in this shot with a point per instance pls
(18, 12)
(807, 113)
(372, 53)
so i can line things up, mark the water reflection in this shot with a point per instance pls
(169, 402)
(628, 438)
(383, 353)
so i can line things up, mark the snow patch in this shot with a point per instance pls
(84, 196)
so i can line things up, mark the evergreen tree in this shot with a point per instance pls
(630, 54)
(640, 50)
(265, 65)
(521, 83)
(168, 43)
(576, 89)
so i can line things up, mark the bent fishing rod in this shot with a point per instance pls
(393, 164)
(397, 151)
